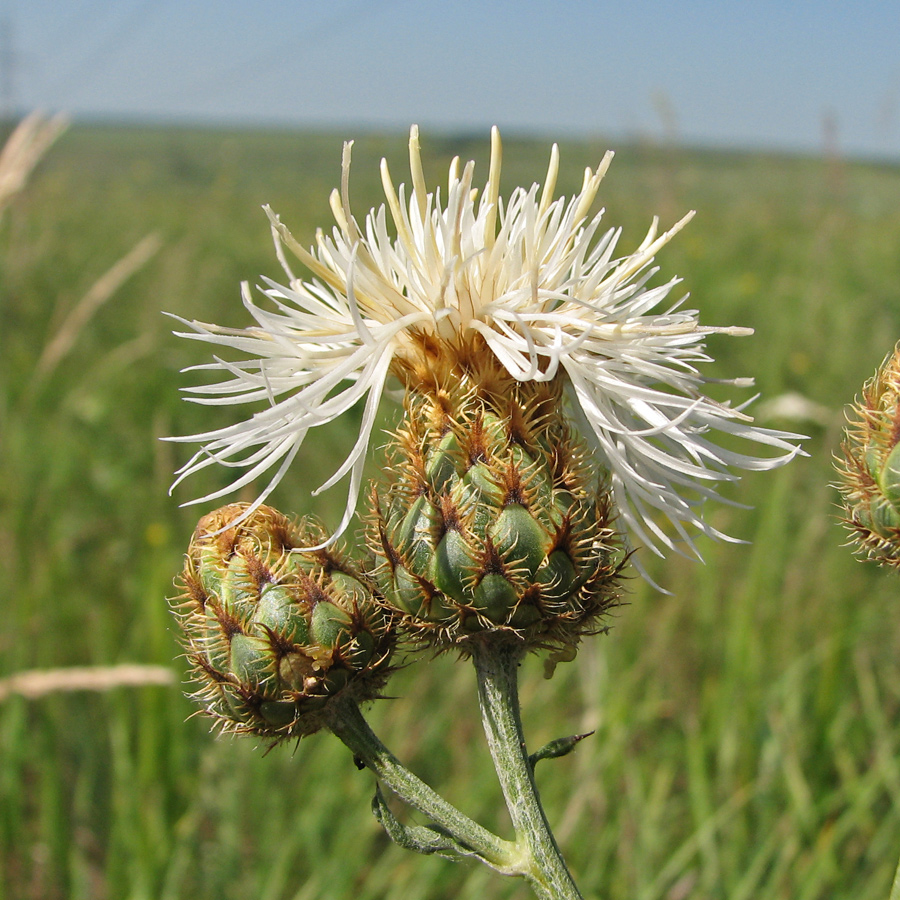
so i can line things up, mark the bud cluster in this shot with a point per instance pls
(490, 524)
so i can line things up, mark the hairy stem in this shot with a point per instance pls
(497, 668)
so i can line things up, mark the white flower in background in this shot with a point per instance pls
(530, 280)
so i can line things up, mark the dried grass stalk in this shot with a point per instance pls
(23, 149)
(37, 683)
(98, 293)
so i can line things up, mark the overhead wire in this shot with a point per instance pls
(271, 55)
(112, 44)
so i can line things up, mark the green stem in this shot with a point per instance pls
(496, 665)
(348, 724)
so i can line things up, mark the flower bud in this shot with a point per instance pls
(491, 522)
(275, 632)
(870, 468)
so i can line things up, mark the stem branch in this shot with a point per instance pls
(350, 726)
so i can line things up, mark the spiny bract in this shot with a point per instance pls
(274, 632)
(871, 465)
(492, 520)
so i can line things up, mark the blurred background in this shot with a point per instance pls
(747, 724)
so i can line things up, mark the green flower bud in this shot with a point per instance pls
(275, 632)
(492, 524)
(870, 467)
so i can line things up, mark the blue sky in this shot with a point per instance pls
(743, 74)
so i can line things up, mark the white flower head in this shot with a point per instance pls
(535, 278)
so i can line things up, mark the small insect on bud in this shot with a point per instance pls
(870, 468)
(273, 631)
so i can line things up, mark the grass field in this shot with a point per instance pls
(747, 740)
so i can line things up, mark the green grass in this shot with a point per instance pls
(747, 738)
